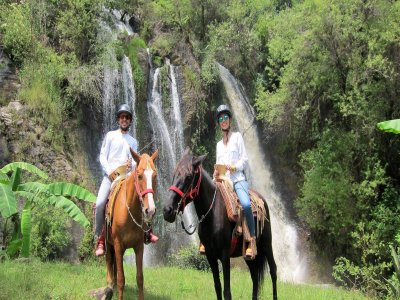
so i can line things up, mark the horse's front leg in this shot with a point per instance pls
(226, 269)
(139, 269)
(111, 278)
(119, 252)
(214, 268)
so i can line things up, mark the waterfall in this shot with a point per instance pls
(128, 88)
(118, 85)
(176, 117)
(290, 262)
(166, 124)
(110, 94)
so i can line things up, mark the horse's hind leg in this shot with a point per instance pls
(120, 269)
(139, 269)
(272, 270)
(217, 283)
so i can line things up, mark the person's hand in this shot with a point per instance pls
(231, 168)
(112, 176)
(128, 164)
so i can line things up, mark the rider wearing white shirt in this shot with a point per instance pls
(231, 152)
(115, 152)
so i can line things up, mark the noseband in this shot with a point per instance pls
(191, 193)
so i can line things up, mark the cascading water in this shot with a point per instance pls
(291, 263)
(128, 88)
(176, 117)
(118, 85)
(168, 138)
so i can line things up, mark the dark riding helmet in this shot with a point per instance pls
(124, 108)
(223, 109)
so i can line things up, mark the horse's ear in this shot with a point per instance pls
(198, 160)
(135, 156)
(154, 155)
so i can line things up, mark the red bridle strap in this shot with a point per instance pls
(193, 192)
(147, 191)
(176, 190)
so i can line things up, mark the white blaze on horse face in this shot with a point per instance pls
(152, 208)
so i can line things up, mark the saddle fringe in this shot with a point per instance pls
(235, 212)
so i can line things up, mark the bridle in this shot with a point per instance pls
(191, 192)
(141, 195)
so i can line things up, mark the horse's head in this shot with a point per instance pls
(145, 181)
(185, 184)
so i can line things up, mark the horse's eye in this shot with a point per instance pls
(140, 176)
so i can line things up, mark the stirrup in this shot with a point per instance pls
(251, 250)
(202, 249)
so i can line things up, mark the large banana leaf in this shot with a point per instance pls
(15, 179)
(26, 229)
(71, 190)
(33, 187)
(8, 205)
(25, 166)
(392, 126)
(4, 178)
(70, 208)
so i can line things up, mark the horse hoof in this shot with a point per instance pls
(108, 293)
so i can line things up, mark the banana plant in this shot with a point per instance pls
(58, 194)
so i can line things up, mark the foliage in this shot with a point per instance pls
(17, 36)
(48, 237)
(189, 257)
(33, 195)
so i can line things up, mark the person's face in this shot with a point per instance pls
(224, 121)
(124, 120)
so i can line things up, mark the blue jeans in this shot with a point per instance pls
(242, 190)
(101, 200)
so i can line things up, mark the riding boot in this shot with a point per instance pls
(251, 250)
(100, 243)
(202, 249)
(150, 237)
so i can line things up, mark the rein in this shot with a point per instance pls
(192, 192)
(140, 195)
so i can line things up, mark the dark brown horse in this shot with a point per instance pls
(133, 205)
(192, 183)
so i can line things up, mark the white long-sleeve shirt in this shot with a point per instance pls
(234, 153)
(115, 150)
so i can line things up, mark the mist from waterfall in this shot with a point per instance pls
(292, 265)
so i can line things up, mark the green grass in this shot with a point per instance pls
(38, 280)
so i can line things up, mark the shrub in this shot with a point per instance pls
(188, 257)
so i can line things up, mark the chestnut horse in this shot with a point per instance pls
(134, 205)
(192, 183)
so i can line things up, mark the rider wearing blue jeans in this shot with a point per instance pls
(231, 152)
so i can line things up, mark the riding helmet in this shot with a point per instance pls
(124, 108)
(223, 109)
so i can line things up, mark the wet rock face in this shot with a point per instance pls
(9, 83)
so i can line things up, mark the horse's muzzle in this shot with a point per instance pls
(169, 214)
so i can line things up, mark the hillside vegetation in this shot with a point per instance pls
(321, 75)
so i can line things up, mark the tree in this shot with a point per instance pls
(30, 194)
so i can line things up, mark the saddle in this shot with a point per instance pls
(235, 212)
(115, 188)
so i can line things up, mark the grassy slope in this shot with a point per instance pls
(36, 280)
